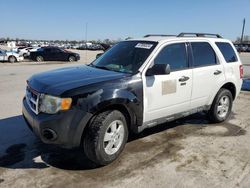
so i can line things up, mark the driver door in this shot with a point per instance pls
(166, 95)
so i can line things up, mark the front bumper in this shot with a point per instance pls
(20, 58)
(64, 128)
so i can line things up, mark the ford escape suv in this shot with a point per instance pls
(135, 85)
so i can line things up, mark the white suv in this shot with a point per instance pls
(134, 85)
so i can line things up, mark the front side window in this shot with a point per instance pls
(203, 54)
(227, 51)
(126, 56)
(175, 55)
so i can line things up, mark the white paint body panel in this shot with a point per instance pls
(157, 104)
(205, 83)
(199, 90)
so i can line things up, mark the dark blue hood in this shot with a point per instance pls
(58, 81)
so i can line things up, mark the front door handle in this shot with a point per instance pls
(217, 72)
(184, 79)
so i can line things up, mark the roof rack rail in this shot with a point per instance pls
(158, 35)
(199, 35)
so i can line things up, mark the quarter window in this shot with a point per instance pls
(227, 51)
(203, 54)
(175, 55)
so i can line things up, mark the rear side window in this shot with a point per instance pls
(174, 55)
(47, 50)
(227, 51)
(203, 54)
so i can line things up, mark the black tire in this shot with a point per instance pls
(72, 58)
(12, 59)
(93, 141)
(39, 58)
(213, 113)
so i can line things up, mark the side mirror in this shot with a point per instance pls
(158, 69)
(98, 55)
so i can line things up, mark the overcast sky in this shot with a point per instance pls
(66, 19)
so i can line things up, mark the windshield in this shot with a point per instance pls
(127, 56)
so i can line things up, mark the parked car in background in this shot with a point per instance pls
(17, 49)
(53, 54)
(26, 51)
(248, 49)
(242, 48)
(32, 49)
(10, 56)
(105, 47)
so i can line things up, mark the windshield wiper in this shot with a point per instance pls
(101, 67)
(106, 68)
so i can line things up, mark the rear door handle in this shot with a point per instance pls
(217, 72)
(184, 79)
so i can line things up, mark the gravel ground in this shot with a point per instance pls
(186, 153)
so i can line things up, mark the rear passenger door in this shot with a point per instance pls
(208, 73)
(48, 55)
(59, 55)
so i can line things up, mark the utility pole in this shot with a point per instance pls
(86, 32)
(243, 28)
(86, 40)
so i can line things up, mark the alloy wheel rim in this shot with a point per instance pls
(12, 60)
(113, 137)
(39, 58)
(71, 59)
(223, 106)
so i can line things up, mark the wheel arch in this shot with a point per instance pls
(126, 111)
(231, 87)
(10, 56)
(228, 85)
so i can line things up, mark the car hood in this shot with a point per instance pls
(58, 81)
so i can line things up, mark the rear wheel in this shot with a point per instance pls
(106, 137)
(221, 107)
(39, 58)
(72, 58)
(12, 59)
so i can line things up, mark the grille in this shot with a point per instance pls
(32, 98)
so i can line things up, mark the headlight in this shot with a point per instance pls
(51, 105)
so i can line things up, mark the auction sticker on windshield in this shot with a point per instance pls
(144, 45)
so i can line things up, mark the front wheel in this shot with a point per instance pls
(12, 59)
(39, 58)
(106, 137)
(221, 107)
(72, 58)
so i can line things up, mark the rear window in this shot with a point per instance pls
(227, 51)
(203, 54)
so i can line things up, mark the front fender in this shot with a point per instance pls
(104, 99)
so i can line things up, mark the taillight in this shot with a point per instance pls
(241, 71)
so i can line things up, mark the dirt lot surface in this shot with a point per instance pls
(189, 152)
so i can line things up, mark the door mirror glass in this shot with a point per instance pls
(158, 69)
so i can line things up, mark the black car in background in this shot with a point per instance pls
(53, 54)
